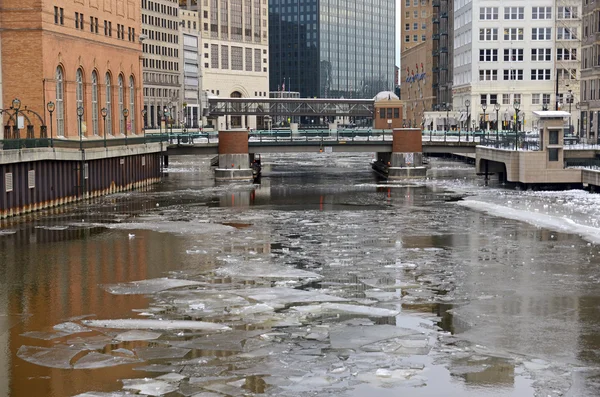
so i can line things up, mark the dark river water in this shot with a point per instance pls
(328, 281)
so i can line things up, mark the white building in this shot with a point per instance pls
(234, 52)
(515, 51)
(191, 79)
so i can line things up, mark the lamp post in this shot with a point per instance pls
(484, 107)
(497, 109)
(165, 113)
(446, 124)
(570, 101)
(50, 106)
(467, 104)
(80, 115)
(517, 106)
(144, 112)
(125, 115)
(16, 105)
(577, 106)
(104, 113)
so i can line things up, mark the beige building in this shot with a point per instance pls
(235, 44)
(161, 62)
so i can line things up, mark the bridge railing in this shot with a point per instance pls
(339, 135)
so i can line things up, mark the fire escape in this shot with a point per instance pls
(441, 52)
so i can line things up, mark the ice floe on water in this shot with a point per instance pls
(553, 222)
(149, 286)
(156, 324)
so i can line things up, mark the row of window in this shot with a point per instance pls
(536, 98)
(160, 22)
(93, 99)
(160, 50)
(517, 74)
(161, 36)
(415, 38)
(415, 3)
(537, 54)
(160, 8)
(516, 13)
(415, 14)
(415, 26)
(160, 64)
(59, 19)
(389, 113)
(537, 34)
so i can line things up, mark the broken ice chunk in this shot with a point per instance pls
(137, 335)
(154, 353)
(71, 328)
(156, 324)
(148, 286)
(53, 357)
(99, 360)
(171, 377)
(150, 387)
(44, 335)
(346, 308)
(355, 337)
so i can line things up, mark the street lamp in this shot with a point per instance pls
(165, 113)
(570, 101)
(497, 109)
(125, 115)
(577, 106)
(144, 112)
(80, 115)
(467, 104)
(104, 113)
(517, 106)
(484, 107)
(446, 124)
(16, 105)
(50, 106)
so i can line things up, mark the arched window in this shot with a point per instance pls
(60, 106)
(132, 103)
(95, 102)
(79, 90)
(108, 106)
(121, 118)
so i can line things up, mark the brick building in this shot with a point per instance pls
(76, 54)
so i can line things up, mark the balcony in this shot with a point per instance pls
(435, 37)
(436, 20)
(435, 53)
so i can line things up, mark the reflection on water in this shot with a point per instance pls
(512, 299)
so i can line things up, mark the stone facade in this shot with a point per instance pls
(68, 52)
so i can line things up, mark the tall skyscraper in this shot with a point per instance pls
(587, 124)
(332, 48)
(234, 40)
(515, 52)
(161, 62)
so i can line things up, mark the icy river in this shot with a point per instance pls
(319, 281)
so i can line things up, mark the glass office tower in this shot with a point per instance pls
(332, 48)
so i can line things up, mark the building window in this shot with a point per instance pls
(566, 54)
(415, 37)
(535, 99)
(488, 13)
(541, 12)
(506, 99)
(95, 102)
(120, 105)
(248, 59)
(553, 154)
(566, 33)
(540, 74)
(513, 55)
(108, 105)
(214, 56)
(541, 33)
(546, 98)
(257, 66)
(567, 13)
(423, 37)
(541, 54)
(59, 16)
(513, 74)
(407, 38)
(237, 58)
(513, 34)
(79, 89)
(60, 108)
(514, 12)
(488, 75)
(132, 104)
(224, 57)
(407, 26)
(488, 34)
(488, 55)
(416, 26)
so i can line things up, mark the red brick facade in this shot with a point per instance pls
(233, 142)
(40, 36)
(407, 140)
(386, 110)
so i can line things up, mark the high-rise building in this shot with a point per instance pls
(587, 124)
(76, 55)
(161, 62)
(514, 52)
(190, 51)
(234, 44)
(426, 58)
(332, 48)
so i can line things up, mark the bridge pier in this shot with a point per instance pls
(406, 159)
(234, 160)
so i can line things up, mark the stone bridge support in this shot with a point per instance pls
(406, 159)
(234, 160)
